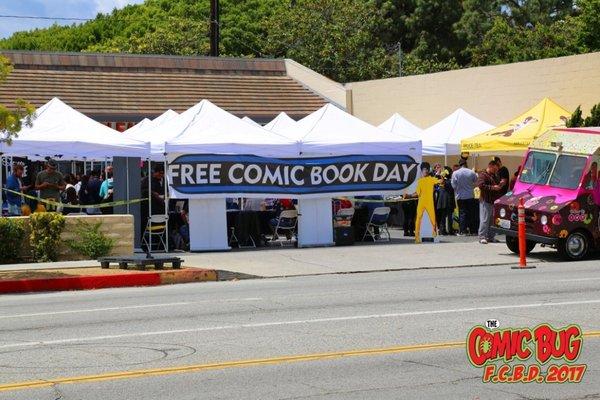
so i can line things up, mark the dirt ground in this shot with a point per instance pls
(57, 273)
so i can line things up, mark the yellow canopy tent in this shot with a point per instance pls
(516, 135)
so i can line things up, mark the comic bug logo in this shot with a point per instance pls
(541, 354)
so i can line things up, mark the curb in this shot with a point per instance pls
(106, 281)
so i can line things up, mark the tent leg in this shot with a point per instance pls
(166, 184)
(149, 203)
(1, 185)
(127, 183)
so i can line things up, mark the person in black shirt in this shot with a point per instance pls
(503, 177)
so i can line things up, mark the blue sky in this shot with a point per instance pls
(52, 8)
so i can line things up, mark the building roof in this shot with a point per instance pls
(131, 87)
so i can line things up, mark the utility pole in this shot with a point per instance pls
(400, 59)
(214, 28)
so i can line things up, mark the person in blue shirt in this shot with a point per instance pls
(14, 183)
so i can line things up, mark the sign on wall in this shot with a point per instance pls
(196, 175)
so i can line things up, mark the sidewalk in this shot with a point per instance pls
(288, 261)
(361, 258)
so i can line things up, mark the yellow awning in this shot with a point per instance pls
(516, 135)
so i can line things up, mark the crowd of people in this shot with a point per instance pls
(471, 193)
(458, 187)
(50, 187)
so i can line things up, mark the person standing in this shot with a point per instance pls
(503, 177)
(425, 192)
(463, 183)
(50, 183)
(15, 184)
(490, 189)
(409, 209)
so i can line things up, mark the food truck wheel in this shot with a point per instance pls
(513, 245)
(575, 246)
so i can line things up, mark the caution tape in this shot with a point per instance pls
(86, 206)
(390, 200)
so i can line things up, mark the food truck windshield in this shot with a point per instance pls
(563, 171)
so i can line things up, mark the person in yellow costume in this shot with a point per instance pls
(425, 191)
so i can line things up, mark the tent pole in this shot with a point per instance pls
(127, 183)
(1, 185)
(149, 202)
(166, 183)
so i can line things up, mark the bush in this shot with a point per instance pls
(90, 241)
(46, 228)
(12, 233)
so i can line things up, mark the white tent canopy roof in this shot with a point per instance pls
(166, 116)
(250, 121)
(281, 123)
(142, 133)
(169, 129)
(444, 137)
(399, 125)
(140, 125)
(63, 132)
(331, 131)
(208, 129)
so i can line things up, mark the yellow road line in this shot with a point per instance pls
(235, 364)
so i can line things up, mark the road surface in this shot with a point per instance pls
(379, 335)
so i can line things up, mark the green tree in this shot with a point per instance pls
(431, 25)
(333, 37)
(590, 23)
(576, 119)
(594, 118)
(14, 116)
(504, 43)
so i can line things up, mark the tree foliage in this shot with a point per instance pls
(347, 40)
(593, 119)
(14, 116)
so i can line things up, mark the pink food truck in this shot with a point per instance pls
(559, 183)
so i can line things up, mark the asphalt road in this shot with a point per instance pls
(387, 335)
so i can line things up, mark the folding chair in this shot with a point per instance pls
(289, 227)
(378, 220)
(343, 217)
(234, 239)
(156, 227)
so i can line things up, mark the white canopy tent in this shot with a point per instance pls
(250, 121)
(63, 132)
(212, 130)
(208, 129)
(140, 125)
(164, 117)
(155, 132)
(281, 123)
(443, 138)
(330, 131)
(169, 128)
(401, 126)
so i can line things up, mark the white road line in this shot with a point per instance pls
(295, 322)
(183, 303)
(577, 280)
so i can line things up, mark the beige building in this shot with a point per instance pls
(494, 94)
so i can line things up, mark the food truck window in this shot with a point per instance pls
(538, 167)
(568, 172)
(590, 181)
